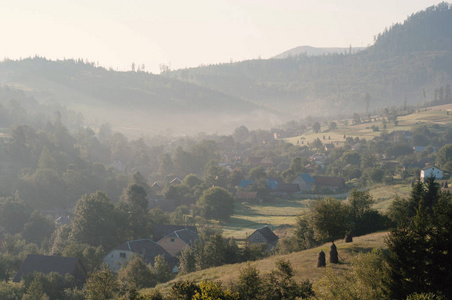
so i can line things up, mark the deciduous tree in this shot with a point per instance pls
(330, 218)
(316, 127)
(93, 222)
(216, 203)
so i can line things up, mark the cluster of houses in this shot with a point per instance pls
(303, 183)
(171, 241)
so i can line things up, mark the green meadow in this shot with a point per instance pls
(281, 214)
(438, 115)
(277, 212)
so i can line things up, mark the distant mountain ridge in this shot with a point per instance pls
(408, 64)
(315, 51)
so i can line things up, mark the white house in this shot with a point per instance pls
(431, 172)
(146, 248)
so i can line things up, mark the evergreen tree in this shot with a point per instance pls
(420, 252)
(431, 195)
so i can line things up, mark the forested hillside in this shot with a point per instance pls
(155, 102)
(408, 62)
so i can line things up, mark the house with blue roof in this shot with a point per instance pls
(305, 182)
(270, 183)
(244, 183)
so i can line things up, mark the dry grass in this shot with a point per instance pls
(304, 262)
(426, 116)
(385, 194)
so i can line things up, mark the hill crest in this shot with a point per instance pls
(316, 51)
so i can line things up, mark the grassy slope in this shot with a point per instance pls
(281, 214)
(384, 194)
(303, 262)
(433, 115)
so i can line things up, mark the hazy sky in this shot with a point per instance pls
(187, 33)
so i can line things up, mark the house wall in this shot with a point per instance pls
(330, 187)
(172, 245)
(304, 186)
(432, 172)
(114, 259)
(256, 238)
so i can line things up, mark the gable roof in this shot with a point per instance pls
(329, 181)
(287, 187)
(63, 220)
(306, 178)
(176, 181)
(47, 264)
(419, 148)
(431, 167)
(148, 249)
(156, 185)
(186, 235)
(161, 230)
(244, 183)
(246, 195)
(267, 233)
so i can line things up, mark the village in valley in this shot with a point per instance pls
(246, 205)
(318, 173)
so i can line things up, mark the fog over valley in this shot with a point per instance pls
(225, 150)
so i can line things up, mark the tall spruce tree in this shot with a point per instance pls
(420, 251)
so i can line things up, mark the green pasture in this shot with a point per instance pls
(385, 194)
(249, 217)
(277, 212)
(427, 116)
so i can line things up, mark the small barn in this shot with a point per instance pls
(264, 235)
(305, 182)
(332, 183)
